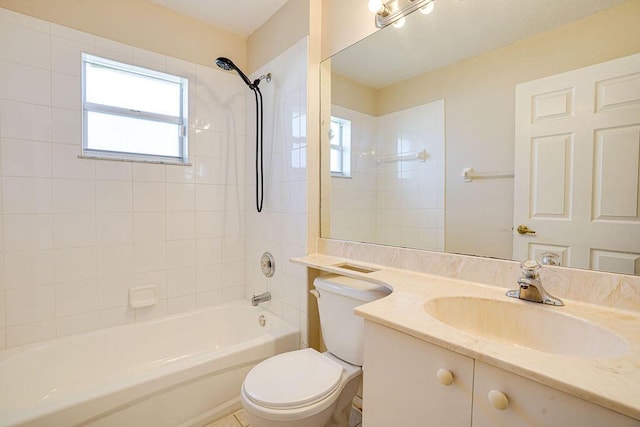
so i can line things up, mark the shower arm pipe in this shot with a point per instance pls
(257, 81)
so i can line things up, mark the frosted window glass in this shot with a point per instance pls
(132, 91)
(340, 143)
(128, 135)
(336, 161)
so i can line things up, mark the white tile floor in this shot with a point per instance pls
(235, 420)
(239, 420)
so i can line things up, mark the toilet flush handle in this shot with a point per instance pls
(315, 293)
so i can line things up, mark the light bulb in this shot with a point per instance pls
(428, 8)
(375, 5)
(400, 22)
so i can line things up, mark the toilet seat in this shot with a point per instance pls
(303, 377)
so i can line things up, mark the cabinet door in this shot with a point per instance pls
(533, 404)
(402, 386)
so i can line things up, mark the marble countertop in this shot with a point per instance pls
(612, 382)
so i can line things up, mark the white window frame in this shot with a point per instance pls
(181, 120)
(343, 146)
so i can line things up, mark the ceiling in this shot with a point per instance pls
(237, 16)
(454, 31)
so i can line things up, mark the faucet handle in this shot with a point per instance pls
(530, 268)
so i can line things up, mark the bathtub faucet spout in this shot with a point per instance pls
(263, 297)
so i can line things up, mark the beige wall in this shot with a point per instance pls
(142, 24)
(601, 37)
(284, 29)
(349, 94)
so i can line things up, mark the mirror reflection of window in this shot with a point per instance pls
(340, 143)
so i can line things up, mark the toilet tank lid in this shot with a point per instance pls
(357, 289)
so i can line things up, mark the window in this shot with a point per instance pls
(340, 143)
(133, 113)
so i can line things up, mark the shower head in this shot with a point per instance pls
(225, 63)
(228, 65)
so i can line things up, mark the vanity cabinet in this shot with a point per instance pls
(412, 383)
(529, 403)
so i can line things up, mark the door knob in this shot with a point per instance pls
(523, 229)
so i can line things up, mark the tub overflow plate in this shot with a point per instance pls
(267, 264)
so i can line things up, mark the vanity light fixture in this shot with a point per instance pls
(376, 6)
(400, 22)
(428, 8)
(394, 11)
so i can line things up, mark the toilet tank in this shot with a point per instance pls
(342, 330)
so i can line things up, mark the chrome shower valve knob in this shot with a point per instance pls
(267, 264)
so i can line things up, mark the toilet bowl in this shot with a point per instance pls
(306, 388)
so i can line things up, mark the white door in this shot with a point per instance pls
(577, 174)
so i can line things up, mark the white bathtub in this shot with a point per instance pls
(182, 370)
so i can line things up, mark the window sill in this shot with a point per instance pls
(123, 159)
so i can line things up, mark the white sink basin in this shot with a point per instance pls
(526, 324)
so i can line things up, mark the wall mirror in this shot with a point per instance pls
(507, 129)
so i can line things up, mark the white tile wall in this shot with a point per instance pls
(399, 204)
(410, 203)
(76, 234)
(353, 200)
(282, 226)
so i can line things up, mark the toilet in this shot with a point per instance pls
(306, 388)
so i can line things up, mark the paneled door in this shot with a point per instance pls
(577, 168)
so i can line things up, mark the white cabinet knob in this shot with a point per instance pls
(498, 399)
(445, 376)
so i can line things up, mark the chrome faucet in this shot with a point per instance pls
(531, 286)
(263, 297)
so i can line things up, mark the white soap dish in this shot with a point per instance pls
(143, 296)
